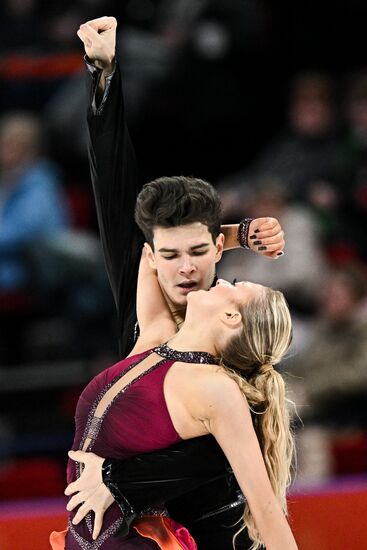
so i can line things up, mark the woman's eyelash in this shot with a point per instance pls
(234, 281)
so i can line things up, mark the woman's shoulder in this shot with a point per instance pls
(205, 379)
(206, 390)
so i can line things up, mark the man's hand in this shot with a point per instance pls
(266, 237)
(89, 492)
(99, 39)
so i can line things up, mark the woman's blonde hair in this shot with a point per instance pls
(249, 359)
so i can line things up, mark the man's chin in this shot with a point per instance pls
(181, 295)
(180, 299)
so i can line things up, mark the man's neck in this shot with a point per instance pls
(178, 311)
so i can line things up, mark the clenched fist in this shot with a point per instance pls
(99, 39)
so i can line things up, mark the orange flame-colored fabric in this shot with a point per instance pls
(168, 534)
(57, 540)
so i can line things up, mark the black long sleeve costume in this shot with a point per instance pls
(192, 478)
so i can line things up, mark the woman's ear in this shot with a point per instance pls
(232, 319)
(150, 255)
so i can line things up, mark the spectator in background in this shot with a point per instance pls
(305, 153)
(32, 207)
(352, 161)
(299, 272)
(329, 377)
(304, 156)
(31, 202)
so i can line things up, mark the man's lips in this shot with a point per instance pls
(187, 286)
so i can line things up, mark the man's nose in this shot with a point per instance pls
(187, 265)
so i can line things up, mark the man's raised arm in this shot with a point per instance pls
(113, 171)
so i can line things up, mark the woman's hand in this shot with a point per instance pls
(99, 39)
(89, 492)
(266, 237)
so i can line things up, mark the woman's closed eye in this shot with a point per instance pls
(234, 281)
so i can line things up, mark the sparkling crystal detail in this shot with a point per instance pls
(96, 544)
(154, 511)
(186, 356)
(94, 427)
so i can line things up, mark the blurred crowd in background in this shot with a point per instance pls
(261, 101)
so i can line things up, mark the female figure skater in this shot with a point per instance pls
(215, 376)
(211, 510)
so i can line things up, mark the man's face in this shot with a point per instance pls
(185, 258)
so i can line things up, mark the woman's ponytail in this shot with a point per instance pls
(249, 359)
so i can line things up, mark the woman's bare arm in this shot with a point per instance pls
(225, 413)
(154, 316)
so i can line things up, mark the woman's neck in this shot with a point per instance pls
(193, 338)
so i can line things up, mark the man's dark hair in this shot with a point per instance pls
(178, 200)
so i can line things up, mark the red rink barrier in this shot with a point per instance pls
(331, 516)
(328, 517)
(26, 525)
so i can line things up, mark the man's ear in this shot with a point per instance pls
(219, 243)
(232, 319)
(150, 255)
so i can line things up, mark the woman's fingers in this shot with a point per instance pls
(266, 236)
(76, 499)
(81, 513)
(275, 255)
(267, 232)
(97, 501)
(72, 488)
(277, 241)
(98, 520)
(78, 456)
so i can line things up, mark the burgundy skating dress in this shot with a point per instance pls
(119, 419)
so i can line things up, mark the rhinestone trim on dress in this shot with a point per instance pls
(186, 356)
(85, 545)
(94, 427)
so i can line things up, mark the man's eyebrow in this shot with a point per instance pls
(174, 250)
(171, 250)
(199, 246)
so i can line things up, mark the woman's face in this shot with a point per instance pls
(225, 296)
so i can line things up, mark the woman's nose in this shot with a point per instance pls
(222, 282)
